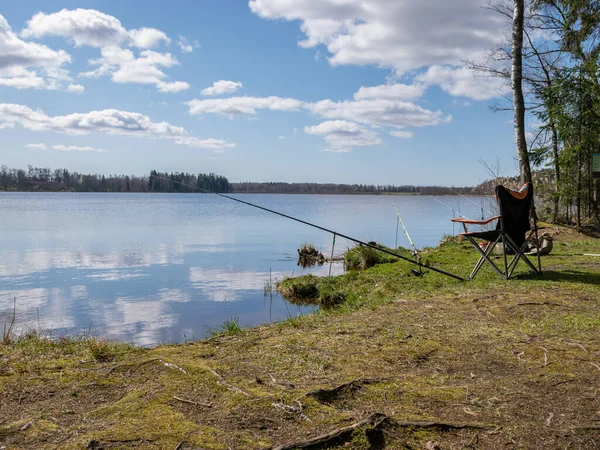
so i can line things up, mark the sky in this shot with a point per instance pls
(342, 91)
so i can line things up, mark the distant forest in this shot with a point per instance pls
(63, 180)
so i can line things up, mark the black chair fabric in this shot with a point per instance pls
(515, 212)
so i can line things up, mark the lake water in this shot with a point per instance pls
(154, 268)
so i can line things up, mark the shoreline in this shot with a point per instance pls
(401, 361)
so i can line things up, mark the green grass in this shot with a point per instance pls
(228, 328)
(362, 257)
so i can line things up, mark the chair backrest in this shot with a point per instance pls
(515, 208)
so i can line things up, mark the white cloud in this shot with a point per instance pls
(396, 91)
(204, 143)
(402, 34)
(402, 134)
(342, 135)
(77, 148)
(222, 87)
(75, 88)
(185, 45)
(27, 65)
(242, 105)
(39, 146)
(147, 37)
(374, 112)
(109, 121)
(379, 113)
(91, 27)
(281, 138)
(462, 82)
(124, 67)
(96, 29)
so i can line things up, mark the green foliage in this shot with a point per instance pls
(362, 257)
(228, 328)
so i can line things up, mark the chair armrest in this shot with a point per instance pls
(474, 222)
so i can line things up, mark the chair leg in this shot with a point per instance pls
(504, 248)
(519, 254)
(484, 257)
(537, 246)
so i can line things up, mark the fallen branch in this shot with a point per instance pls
(327, 395)
(539, 303)
(206, 405)
(231, 387)
(289, 409)
(443, 425)
(375, 420)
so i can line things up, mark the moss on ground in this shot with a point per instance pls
(520, 359)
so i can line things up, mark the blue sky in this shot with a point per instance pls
(342, 91)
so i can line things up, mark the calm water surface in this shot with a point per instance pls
(152, 268)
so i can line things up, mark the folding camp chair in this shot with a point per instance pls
(513, 230)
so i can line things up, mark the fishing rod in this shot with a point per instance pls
(415, 253)
(454, 211)
(480, 206)
(335, 233)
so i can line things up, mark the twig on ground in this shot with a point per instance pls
(577, 344)
(539, 303)
(173, 366)
(206, 405)
(229, 386)
(545, 356)
(474, 440)
(289, 409)
(595, 365)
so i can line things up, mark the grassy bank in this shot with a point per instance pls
(395, 361)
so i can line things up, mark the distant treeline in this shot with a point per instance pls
(45, 179)
(332, 188)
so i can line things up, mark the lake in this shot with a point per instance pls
(157, 268)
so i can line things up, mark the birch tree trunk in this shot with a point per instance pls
(517, 90)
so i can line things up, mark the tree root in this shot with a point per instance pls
(376, 420)
(328, 395)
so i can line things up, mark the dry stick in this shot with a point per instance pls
(539, 303)
(474, 440)
(206, 405)
(545, 356)
(577, 344)
(231, 387)
(595, 365)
